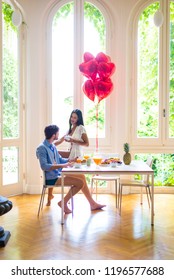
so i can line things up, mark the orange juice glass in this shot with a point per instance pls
(78, 160)
(86, 157)
(97, 160)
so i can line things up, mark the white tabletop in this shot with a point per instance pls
(136, 166)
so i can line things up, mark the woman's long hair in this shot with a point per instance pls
(79, 121)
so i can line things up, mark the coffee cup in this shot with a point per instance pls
(67, 138)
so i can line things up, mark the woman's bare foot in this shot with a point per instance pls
(49, 200)
(97, 206)
(66, 209)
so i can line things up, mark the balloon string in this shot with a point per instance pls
(97, 128)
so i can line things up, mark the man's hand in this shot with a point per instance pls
(69, 164)
(73, 159)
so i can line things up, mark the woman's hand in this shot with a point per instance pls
(59, 141)
(68, 138)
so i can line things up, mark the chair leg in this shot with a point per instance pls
(148, 197)
(96, 188)
(92, 186)
(92, 182)
(72, 201)
(149, 193)
(141, 196)
(41, 200)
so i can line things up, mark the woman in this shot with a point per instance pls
(76, 136)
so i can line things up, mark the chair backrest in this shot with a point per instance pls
(149, 162)
(44, 178)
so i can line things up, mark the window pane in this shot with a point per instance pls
(171, 94)
(10, 165)
(62, 65)
(148, 64)
(10, 82)
(94, 42)
(163, 166)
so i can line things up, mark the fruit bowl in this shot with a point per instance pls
(105, 163)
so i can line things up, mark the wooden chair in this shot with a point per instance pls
(144, 183)
(44, 188)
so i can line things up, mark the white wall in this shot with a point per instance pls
(35, 17)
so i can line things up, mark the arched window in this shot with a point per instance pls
(153, 89)
(62, 64)
(77, 27)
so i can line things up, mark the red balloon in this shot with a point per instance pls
(109, 59)
(98, 71)
(88, 89)
(105, 70)
(103, 88)
(88, 56)
(101, 57)
(89, 68)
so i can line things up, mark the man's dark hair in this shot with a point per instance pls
(50, 130)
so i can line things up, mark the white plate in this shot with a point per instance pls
(105, 165)
(77, 165)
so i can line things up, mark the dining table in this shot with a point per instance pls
(135, 167)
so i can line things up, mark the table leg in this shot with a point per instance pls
(152, 203)
(62, 206)
(116, 192)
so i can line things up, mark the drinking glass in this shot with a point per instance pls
(97, 158)
(86, 156)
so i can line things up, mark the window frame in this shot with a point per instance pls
(163, 143)
(78, 56)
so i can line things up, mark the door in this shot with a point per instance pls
(11, 148)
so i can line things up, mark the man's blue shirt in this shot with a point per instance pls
(48, 155)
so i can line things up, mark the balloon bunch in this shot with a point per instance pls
(98, 70)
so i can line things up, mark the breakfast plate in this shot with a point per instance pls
(105, 165)
(77, 165)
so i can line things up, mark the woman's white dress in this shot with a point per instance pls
(76, 150)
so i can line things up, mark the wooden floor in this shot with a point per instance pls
(99, 235)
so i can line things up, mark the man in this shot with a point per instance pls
(52, 163)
